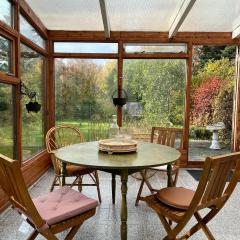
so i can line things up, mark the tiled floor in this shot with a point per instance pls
(142, 222)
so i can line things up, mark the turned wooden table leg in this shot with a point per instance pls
(63, 173)
(124, 179)
(169, 173)
(113, 187)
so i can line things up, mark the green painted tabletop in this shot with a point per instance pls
(147, 155)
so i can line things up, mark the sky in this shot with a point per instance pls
(82, 47)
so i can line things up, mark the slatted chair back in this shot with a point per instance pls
(61, 136)
(12, 183)
(215, 180)
(166, 136)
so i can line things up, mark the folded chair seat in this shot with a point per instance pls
(63, 204)
(176, 197)
(74, 170)
(164, 168)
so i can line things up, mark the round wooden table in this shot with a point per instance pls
(147, 155)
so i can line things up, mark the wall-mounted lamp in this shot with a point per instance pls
(33, 105)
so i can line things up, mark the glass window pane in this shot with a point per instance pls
(155, 48)
(33, 77)
(83, 91)
(6, 12)
(28, 31)
(82, 47)
(211, 107)
(6, 120)
(156, 93)
(5, 55)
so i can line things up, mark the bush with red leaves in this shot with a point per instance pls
(203, 99)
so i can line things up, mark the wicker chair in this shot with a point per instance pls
(48, 214)
(164, 136)
(60, 136)
(180, 204)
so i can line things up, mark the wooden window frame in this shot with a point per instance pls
(10, 77)
(20, 6)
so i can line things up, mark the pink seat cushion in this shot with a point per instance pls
(62, 204)
(177, 197)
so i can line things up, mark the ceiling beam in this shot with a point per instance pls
(180, 17)
(236, 28)
(105, 18)
(236, 32)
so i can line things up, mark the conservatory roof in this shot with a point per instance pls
(140, 15)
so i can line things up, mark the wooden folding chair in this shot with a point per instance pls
(164, 136)
(48, 214)
(60, 136)
(180, 204)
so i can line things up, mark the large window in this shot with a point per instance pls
(156, 93)
(28, 31)
(83, 90)
(5, 55)
(6, 12)
(6, 120)
(33, 77)
(211, 101)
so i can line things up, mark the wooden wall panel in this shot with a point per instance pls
(216, 38)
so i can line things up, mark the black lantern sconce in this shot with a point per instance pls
(119, 101)
(33, 105)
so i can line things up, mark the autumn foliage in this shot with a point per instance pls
(203, 100)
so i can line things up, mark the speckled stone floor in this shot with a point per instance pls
(142, 222)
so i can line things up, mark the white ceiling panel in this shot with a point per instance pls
(137, 15)
(212, 16)
(140, 15)
(81, 15)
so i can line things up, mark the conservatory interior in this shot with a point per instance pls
(161, 77)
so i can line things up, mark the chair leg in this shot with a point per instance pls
(198, 226)
(33, 235)
(165, 223)
(113, 187)
(79, 181)
(48, 235)
(72, 232)
(175, 178)
(98, 187)
(204, 226)
(139, 193)
(53, 183)
(149, 186)
(144, 180)
(144, 176)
